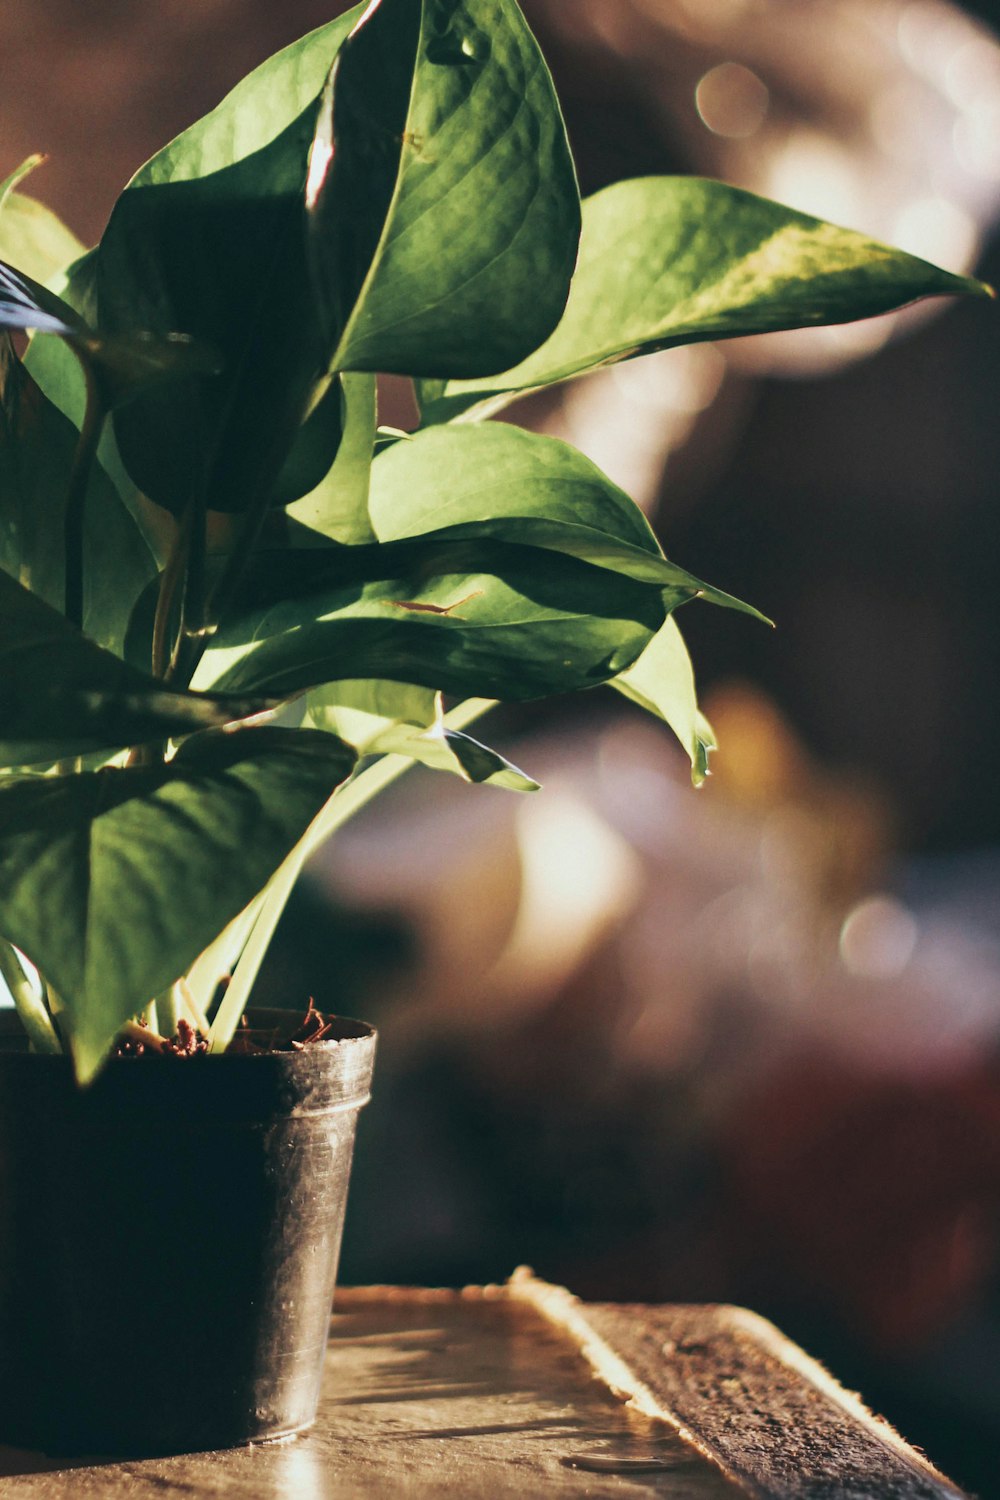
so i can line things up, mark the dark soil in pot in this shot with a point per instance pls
(169, 1241)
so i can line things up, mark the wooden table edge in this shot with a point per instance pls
(730, 1383)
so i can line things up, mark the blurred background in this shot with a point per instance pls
(741, 1044)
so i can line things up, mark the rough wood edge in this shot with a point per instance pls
(769, 1337)
(913, 1473)
(601, 1332)
(560, 1307)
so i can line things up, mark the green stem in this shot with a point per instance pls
(30, 1006)
(76, 495)
(184, 571)
(189, 1007)
(168, 1012)
(145, 1036)
(344, 803)
(170, 578)
(190, 641)
(223, 594)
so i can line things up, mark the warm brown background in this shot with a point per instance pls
(860, 511)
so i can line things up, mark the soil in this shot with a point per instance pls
(314, 1026)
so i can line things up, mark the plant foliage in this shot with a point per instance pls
(200, 521)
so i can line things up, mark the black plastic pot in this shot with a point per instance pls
(169, 1241)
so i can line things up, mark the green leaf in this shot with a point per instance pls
(674, 260)
(337, 508)
(380, 718)
(449, 476)
(31, 235)
(497, 481)
(662, 682)
(444, 208)
(112, 882)
(209, 239)
(18, 175)
(61, 695)
(481, 617)
(37, 444)
(548, 579)
(452, 750)
(316, 443)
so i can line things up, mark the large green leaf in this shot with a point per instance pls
(480, 617)
(61, 695)
(674, 260)
(442, 194)
(449, 476)
(37, 444)
(393, 718)
(112, 882)
(548, 579)
(31, 235)
(209, 239)
(465, 482)
(662, 682)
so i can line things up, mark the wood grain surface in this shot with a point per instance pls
(523, 1391)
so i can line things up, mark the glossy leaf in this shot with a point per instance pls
(497, 481)
(337, 508)
(547, 577)
(385, 718)
(481, 617)
(112, 882)
(61, 695)
(208, 239)
(37, 444)
(444, 209)
(675, 260)
(31, 235)
(662, 682)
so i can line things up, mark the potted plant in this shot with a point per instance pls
(231, 603)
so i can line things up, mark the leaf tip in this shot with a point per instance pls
(88, 1059)
(700, 768)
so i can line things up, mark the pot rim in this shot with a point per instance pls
(14, 1039)
(319, 1078)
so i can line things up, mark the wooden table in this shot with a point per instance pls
(522, 1391)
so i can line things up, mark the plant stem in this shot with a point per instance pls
(144, 1036)
(169, 579)
(344, 803)
(76, 495)
(30, 1006)
(188, 1004)
(168, 1012)
(185, 570)
(232, 576)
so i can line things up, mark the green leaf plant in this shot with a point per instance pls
(231, 605)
